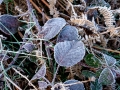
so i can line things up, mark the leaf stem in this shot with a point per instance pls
(55, 75)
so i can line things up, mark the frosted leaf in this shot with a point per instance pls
(78, 86)
(8, 24)
(106, 77)
(28, 47)
(95, 85)
(52, 27)
(41, 72)
(110, 61)
(42, 84)
(69, 53)
(68, 33)
(1, 1)
(58, 86)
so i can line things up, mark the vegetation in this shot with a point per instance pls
(59, 45)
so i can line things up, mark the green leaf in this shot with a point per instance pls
(92, 61)
(98, 72)
(87, 73)
(106, 77)
(95, 85)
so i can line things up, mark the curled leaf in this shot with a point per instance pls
(69, 53)
(8, 24)
(52, 27)
(68, 33)
(106, 77)
(41, 72)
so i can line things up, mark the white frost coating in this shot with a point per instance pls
(41, 72)
(106, 77)
(69, 53)
(1, 1)
(52, 27)
(110, 61)
(108, 15)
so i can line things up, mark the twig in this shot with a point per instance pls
(63, 7)
(38, 9)
(33, 16)
(25, 78)
(110, 50)
(13, 83)
(45, 3)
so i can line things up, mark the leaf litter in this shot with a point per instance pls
(74, 40)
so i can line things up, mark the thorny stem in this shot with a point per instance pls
(55, 74)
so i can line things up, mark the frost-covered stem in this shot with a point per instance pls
(25, 78)
(13, 83)
(48, 55)
(55, 74)
(73, 11)
(47, 80)
(19, 51)
(33, 16)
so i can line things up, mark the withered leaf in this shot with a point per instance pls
(69, 53)
(68, 33)
(8, 24)
(41, 72)
(52, 27)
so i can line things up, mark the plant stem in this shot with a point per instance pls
(55, 74)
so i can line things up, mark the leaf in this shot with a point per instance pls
(95, 85)
(42, 84)
(1, 1)
(87, 73)
(77, 86)
(69, 53)
(110, 61)
(106, 77)
(52, 27)
(28, 47)
(68, 33)
(98, 72)
(92, 61)
(8, 24)
(41, 72)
